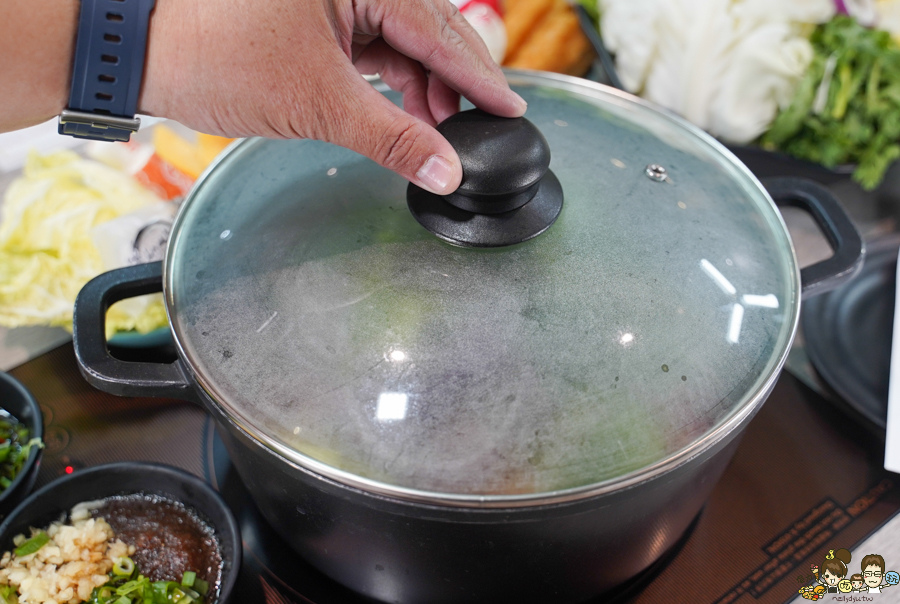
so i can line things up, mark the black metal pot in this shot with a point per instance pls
(457, 482)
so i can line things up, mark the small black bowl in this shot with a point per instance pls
(47, 504)
(16, 399)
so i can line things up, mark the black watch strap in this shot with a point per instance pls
(108, 67)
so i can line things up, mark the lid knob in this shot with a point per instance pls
(503, 160)
(507, 195)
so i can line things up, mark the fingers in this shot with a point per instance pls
(400, 73)
(375, 127)
(422, 30)
(442, 100)
(462, 26)
(424, 95)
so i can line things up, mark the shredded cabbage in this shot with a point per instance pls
(46, 252)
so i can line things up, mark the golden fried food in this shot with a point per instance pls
(546, 35)
(520, 18)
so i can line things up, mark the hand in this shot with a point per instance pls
(291, 69)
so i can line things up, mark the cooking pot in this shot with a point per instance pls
(522, 392)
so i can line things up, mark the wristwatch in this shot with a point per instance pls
(106, 76)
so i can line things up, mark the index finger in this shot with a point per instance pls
(462, 26)
(421, 30)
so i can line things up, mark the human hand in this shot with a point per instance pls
(291, 69)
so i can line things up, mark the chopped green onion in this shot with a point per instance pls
(159, 591)
(188, 578)
(137, 584)
(123, 566)
(33, 544)
(179, 596)
(8, 593)
(193, 594)
(135, 588)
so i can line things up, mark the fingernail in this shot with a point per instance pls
(522, 102)
(435, 174)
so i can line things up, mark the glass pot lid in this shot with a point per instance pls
(644, 324)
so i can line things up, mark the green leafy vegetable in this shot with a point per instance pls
(846, 110)
(15, 447)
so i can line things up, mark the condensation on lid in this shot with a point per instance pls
(322, 316)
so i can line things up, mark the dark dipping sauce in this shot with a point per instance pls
(169, 539)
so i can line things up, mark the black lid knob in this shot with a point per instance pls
(503, 160)
(507, 195)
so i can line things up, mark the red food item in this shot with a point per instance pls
(164, 179)
(462, 5)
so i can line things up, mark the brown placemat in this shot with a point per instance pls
(804, 480)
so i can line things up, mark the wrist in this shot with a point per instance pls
(167, 49)
(37, 38)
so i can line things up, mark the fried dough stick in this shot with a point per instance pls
(554, 43)
(520, 18)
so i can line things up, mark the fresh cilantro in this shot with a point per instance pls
(846, 110)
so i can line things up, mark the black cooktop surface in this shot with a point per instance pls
(804, 479)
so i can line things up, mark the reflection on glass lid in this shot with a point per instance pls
(323, 317)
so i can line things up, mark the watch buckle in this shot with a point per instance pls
(97, 126)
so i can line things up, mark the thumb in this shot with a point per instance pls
(382, 131)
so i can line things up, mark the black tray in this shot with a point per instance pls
(849, 331)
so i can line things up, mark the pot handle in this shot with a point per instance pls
(845, 240)
(97, 366)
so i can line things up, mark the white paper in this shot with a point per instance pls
(43, 138)
(14, 146)
(892, 440)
